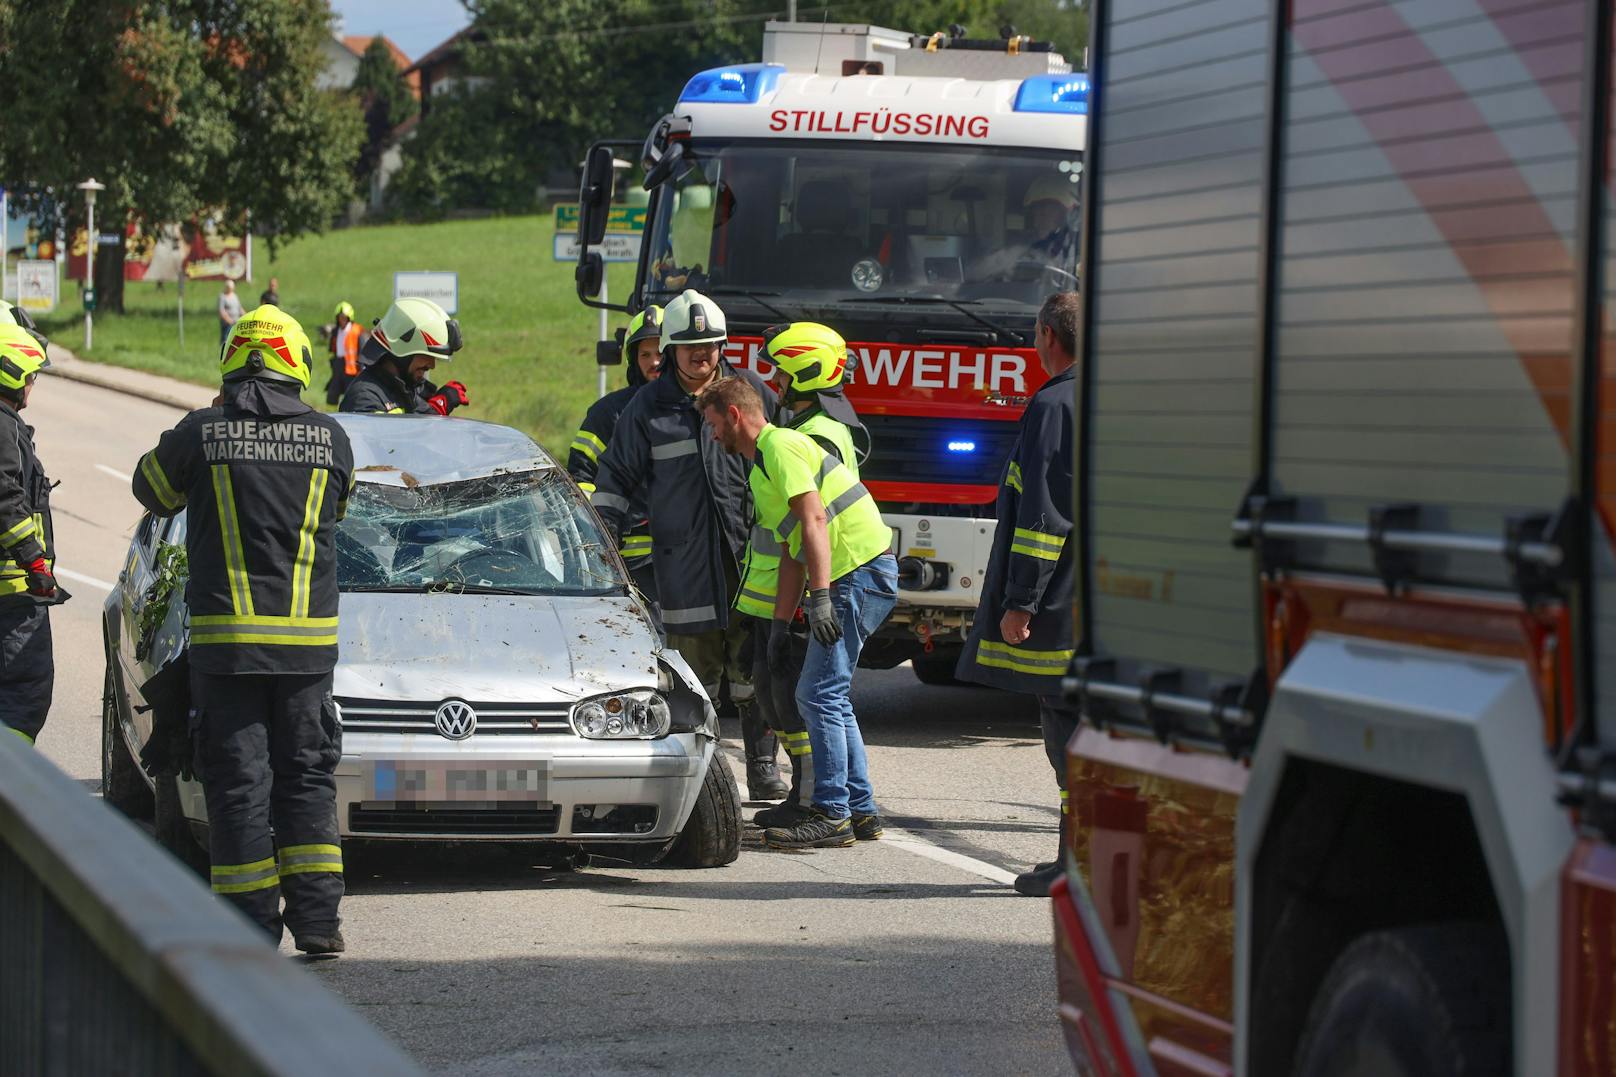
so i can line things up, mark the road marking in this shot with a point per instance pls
(114, 472)
(79, 577)
(910, 843)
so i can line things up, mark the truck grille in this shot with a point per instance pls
(514, 820)
(391, 716)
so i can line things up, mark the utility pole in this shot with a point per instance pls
(89, 187)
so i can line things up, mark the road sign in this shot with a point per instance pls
(36, 286)
(617, 248)
(626, 219)
(442, 288)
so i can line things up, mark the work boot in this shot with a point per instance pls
(818, 832)
(1037, 881)
(321, 945)
(867, 827)
(788, 814)
(763, 781)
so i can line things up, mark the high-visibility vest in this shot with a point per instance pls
(346, 346)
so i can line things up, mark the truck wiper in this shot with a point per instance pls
(754, 296)
(1015, 335)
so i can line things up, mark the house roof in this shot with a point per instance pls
(358, 43)
(445, 52)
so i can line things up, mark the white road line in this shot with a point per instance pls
(79, 577)
(911, 843)
(114, 472)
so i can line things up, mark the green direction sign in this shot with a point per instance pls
(618, 219)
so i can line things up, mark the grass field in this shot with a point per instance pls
(529, 354)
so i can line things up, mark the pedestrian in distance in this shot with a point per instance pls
(405, 346)
(27, 579)
(271, 296)
(642, 360)
(700, 509)
(833, 539)
(809, 361)
(344, 343)
(229, 310)
(263, 480)
(1022, 638)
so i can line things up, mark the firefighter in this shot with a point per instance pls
(405, 345)
(700, 510)
(809, 361)
(642, 358)
(1022, 638)
(263, 480)
(27, 580)
(344, 353)
(833, 539)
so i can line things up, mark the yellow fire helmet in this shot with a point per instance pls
(413, 326)
(646, 325)
(813, 356)
(344, 307)
(21, 357)
(267, 343)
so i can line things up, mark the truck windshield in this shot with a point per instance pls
(990, 229)
(523, 533)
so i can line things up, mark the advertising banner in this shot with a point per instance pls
(161, 253)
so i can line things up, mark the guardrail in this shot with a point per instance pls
(115, 959)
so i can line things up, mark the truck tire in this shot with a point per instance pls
(173, 830)
(123, 785)
(712, 835)
(937, 668)
(1429, 1001)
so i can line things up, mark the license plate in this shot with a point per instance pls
(432, 781)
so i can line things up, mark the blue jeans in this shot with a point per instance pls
(863, 598)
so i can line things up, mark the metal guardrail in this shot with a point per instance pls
(115, 959)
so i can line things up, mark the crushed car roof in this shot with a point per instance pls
(417, 450)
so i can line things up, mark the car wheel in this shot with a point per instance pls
(937, 668)
(123, 785)
(712, 835)
(1430, 1001)
(173, 830)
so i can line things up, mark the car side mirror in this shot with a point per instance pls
(595, 196)
(590, 274)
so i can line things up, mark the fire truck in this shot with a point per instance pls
(1344, 796)
(919, 194)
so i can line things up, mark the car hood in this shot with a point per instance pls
(492, 648)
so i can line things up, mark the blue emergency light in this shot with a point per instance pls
(738, 84)
(1054, 93)
(962, 446)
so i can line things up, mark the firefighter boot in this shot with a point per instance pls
(1036, 882)
(763, 781)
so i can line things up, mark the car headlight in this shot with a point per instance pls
(637, 715)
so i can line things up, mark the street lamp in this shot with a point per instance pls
(89, 187)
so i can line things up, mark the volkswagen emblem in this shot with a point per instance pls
(455, 719)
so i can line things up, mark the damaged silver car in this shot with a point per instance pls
(499, 677)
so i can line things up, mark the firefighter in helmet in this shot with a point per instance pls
(263, 480)
(344, 342)
(405, 345)
(642, 359)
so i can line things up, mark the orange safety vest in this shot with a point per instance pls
(347, 345)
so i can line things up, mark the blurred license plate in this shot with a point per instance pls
(456, 781)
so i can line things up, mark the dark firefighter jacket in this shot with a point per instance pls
(379, 391)
(25, 519)
(701, 506)
(1031, 566)
(263, 480)
(583, 462)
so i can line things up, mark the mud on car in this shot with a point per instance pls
(499, 678)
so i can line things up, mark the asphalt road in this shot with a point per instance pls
(908, 955)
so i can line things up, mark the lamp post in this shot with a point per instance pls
(89, 187)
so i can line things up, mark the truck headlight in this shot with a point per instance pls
(637, 715)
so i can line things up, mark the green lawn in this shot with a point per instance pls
(529, 355)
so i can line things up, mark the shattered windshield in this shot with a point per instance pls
(523, 533)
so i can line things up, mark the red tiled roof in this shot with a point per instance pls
(358, 43)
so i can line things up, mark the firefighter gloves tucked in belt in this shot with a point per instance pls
(778, 655)
(822, 617)
(450, 395)
(41, 581)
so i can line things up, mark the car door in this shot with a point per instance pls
(139, 575)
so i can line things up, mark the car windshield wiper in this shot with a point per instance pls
(439, 587)
(754, 296)
(960, 305)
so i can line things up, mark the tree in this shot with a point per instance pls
(386, 100)
(181, 107)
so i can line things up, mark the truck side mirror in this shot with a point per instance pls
(589, 275)
(610, 352)
(595, 196)
(657, 173)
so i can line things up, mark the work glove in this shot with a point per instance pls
(450, 395)
(822, 619)
(41, 581)
(778, 655)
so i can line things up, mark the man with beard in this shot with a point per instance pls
(404, 347)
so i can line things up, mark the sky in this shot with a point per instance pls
(416, 26)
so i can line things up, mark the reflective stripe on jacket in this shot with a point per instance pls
(1031, 567)
(583, 463)
(699, 503)
(25, 520)
(263, 480)
(790, 463)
